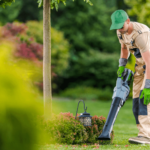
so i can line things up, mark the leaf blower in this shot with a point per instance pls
(120, 95)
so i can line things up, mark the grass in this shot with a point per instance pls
(124, 127)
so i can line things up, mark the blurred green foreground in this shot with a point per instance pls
(18, 103)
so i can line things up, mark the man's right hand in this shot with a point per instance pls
(120, 72)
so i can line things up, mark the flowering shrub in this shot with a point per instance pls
(64, 128)
(13, 29)
(26, 47)
(32, 51)
(59, 46)
(28, 39)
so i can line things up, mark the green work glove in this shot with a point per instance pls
(146, 94)
(120, 71)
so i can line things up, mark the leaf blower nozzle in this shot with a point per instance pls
(120, 95)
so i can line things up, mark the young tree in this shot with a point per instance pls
(47, 6)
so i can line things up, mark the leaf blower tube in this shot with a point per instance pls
(120, 95)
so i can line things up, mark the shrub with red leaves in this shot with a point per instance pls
(64, 128)
(13, 29)
(34, 51)
(26, 47)
(96, 129)
(28, 39)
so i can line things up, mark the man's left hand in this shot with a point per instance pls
(146, 94)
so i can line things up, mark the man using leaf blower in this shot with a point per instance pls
(134, 38)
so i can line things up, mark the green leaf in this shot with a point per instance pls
(52, 6)
(54, 3)
(64, 3)
(40, 3)
(90, 3)
(56, 6)
(4, 3)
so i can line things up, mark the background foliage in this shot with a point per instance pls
(86, 29)
(94, 69)
(28, 40)
(21, 11)
(60, 46)
(140, 9)
(87, 93)
(4, 3)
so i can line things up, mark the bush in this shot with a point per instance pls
(59, 45)
(91, 69)
(87, 27)
(96, 129)
(87, 93)
(18, 104)
(28, 39)
(17, 11)
(25, 48)
(64, 129)
(4, 3)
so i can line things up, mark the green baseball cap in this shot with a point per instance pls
(118, 19)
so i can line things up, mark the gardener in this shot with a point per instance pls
(134, 37)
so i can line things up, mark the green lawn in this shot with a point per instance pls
(124, 127)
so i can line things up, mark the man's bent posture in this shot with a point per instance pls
(134, 37)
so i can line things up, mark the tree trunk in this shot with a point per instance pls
(47, 93)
